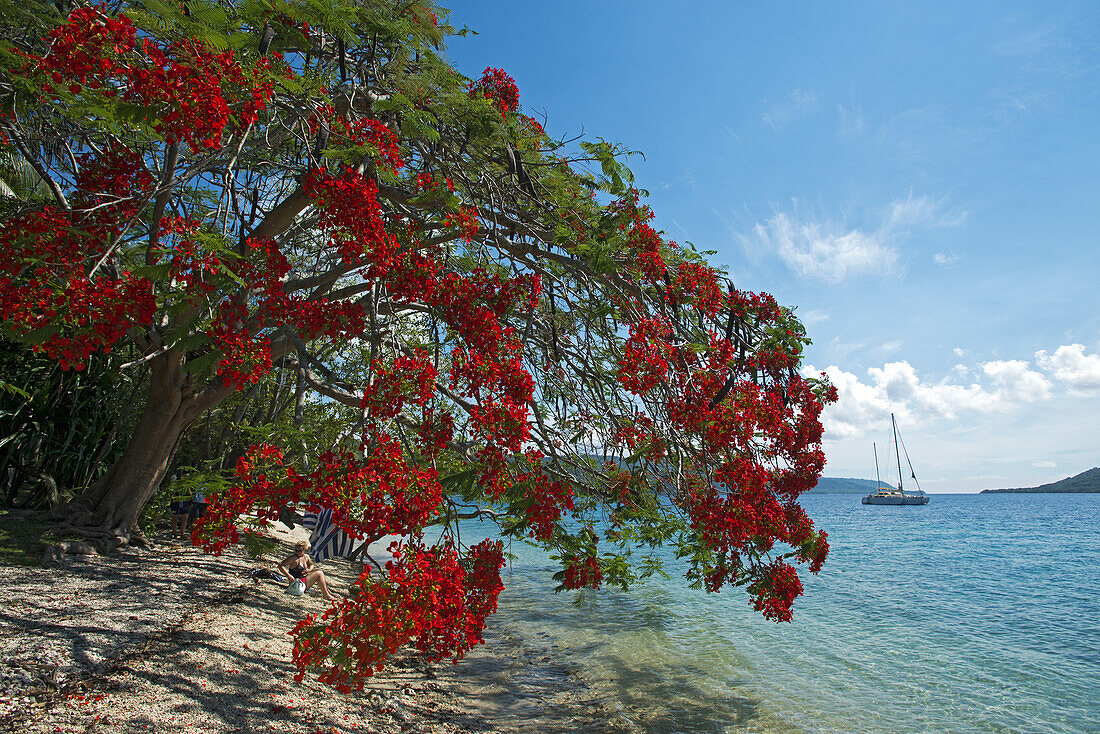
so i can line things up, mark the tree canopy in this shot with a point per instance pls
(230, 189)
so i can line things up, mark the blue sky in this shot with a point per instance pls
(921, 180)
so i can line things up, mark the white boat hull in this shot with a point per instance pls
(909, 499)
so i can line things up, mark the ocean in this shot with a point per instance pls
(975, 613)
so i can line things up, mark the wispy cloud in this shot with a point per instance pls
(681, 228)
(813, 316)
(1009, 103)
(946, 258)
(685, 178)
(1043, 464)
(1020, 35)
(922, 211)
(799, 102)
(821, 249)
(844, 348)
(851, 119)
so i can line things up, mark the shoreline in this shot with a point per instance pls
(172, 639)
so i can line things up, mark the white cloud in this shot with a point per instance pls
(946, 258)
(838, 346)
(959, 352)
(798, 103)
(851, 119)
(911, 211)
(684, 179)
(681, 228)
(1043, 464)
(1069, 364)
(823, 251)
(922, 211)
(1016, 381)
(897, 388)
(813, 316)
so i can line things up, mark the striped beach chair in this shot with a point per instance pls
(326, 539)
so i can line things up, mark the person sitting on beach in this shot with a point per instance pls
(298, 566)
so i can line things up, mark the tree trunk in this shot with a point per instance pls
(111, 507)
(134, 478)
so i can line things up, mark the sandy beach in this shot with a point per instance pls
(172, 639)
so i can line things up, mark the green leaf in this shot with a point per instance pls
(40, 336)
(204, 363)
(191, 341)
(13, 390)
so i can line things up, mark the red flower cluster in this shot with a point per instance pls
(534, 127)
(350, 215)
(464, 219)
(738, 401)
(695, 284)
(429, 597)
(638, 433)
(192, 267)
(774, 590)
(246, 358)
(47, 295)
(642, 241)
(409, 379)
(382, 144)
(426, 181)
(549, 499)
(496, 86)
(383, 493)
(109, 187)
(581, 572)
(259, 473)
(435, 432)
(645, 355)
(195, 92)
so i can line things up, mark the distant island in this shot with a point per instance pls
(845, 485)
(1087, 481)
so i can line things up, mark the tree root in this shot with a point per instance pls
(101, 540)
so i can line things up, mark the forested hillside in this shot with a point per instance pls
(1086, 481)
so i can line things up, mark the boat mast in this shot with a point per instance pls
(878, 477)
(897, 453)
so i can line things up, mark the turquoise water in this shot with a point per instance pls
(975, 613)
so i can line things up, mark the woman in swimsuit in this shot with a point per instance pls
(299, 566)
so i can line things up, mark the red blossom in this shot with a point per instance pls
(429, 597)
(196, 92)
(496, 86)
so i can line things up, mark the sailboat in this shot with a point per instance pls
(887, 495)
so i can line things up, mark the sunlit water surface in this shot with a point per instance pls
(975, 613)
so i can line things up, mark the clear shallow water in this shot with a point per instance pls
(975, 613)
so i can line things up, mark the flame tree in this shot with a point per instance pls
(238, 188)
